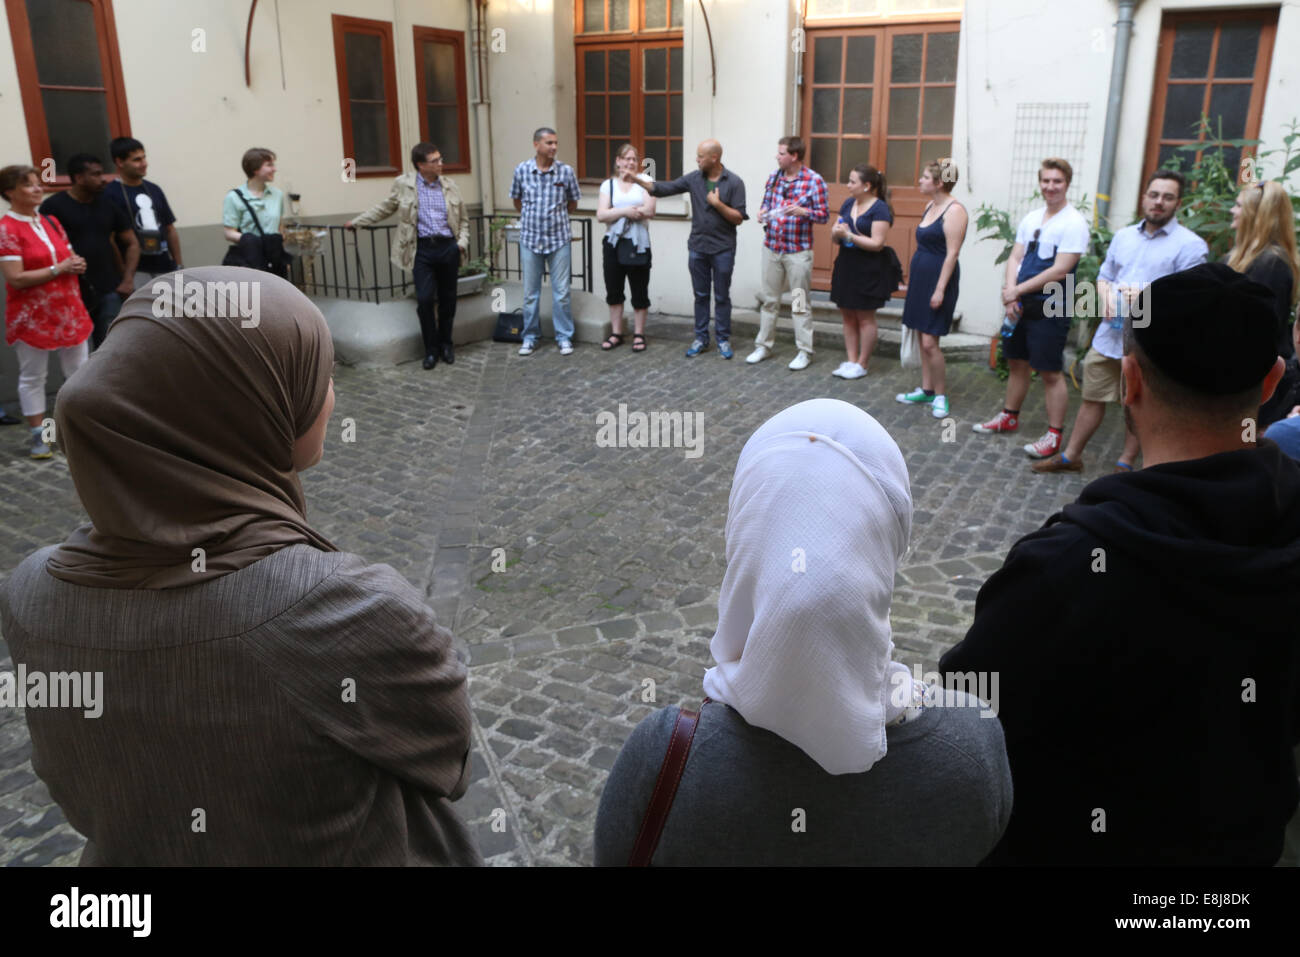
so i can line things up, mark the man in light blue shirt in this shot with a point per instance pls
(1138, 255)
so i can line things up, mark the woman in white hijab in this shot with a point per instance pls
(813, 746)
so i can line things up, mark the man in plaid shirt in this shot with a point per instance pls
(545, 192)
(794, 199)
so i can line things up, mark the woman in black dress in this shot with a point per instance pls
(866, 270)
(932, 282)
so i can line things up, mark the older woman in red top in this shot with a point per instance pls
(43, 309)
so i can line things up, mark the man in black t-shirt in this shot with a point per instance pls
(146, 206)
(91, 221)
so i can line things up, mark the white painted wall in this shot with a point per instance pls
(1007, 58)
(196, 117)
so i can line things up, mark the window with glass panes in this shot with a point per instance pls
(1211, 64)
(70, 77)
(629, 65)
(440, 86)
(363, 54)
(883, 96)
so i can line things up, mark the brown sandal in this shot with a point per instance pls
(638, 343)
(613, 342)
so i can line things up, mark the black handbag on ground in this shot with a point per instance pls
(267, 254)
(510, 327)
(626, 248)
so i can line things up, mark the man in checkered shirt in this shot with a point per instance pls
(794, 199)
(545, 192)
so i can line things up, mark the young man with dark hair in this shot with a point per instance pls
(92, 221)
(1144, 639)
(432, 241)
(1138, 255)
(794, 198)
(146, 206)
(1049, 243)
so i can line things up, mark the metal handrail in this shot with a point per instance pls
(332, 260)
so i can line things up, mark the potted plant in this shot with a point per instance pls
(477, 271)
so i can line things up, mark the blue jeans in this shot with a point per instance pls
(557, 263)
(103, 315)
(712, 269)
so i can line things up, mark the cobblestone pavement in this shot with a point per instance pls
(574, 573)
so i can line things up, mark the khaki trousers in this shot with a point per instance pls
(780, 270)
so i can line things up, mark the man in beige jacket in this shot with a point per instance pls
(432, 241)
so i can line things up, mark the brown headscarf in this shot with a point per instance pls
(179, 430)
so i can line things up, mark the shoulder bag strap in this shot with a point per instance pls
(249, 206)
(670, 775)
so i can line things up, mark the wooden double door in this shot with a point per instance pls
(883, 96)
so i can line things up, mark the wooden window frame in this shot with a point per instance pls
(384, 30)
(636, 40)
(110, 68)
(637, 135)
(1266, 17)
(636, 22)
(456, 38)
(879, 135)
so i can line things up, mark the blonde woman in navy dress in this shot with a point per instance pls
(932, 282)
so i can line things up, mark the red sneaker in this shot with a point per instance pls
(1045, 447)
(999, 423)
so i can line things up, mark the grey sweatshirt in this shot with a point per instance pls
(940, 796)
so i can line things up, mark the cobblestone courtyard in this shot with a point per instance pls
(612, 557)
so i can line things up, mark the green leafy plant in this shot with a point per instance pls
(1212, 185)
(486, 263)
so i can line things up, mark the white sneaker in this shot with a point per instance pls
(854, 371)
(758, 355)
(839, 369)
(527, 348)
(939, 408)
(566, 347)
(801, 362)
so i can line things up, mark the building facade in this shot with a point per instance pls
(341, 89)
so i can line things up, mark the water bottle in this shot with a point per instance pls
(848, 240)
(1008, 326)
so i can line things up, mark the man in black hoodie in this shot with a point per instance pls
(1146, 638)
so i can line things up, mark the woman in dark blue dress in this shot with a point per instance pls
(866, 271)
(932, 282)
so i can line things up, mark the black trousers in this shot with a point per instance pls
(638, 277)
(437, 264)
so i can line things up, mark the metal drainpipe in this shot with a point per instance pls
(482, 106)
(801, 16)
(1114, 103)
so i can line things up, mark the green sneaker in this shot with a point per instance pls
(915, 397)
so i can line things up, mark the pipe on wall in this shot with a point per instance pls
(1114, 106)
(482, 106)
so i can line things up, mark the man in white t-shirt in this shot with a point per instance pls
(1049, 243)
(1140, 254)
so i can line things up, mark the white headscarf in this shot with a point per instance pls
(819, 517)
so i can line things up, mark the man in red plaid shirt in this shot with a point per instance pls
(794, 199)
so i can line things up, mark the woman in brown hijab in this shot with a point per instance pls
(266, 698)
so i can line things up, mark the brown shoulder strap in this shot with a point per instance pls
(670, 775)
